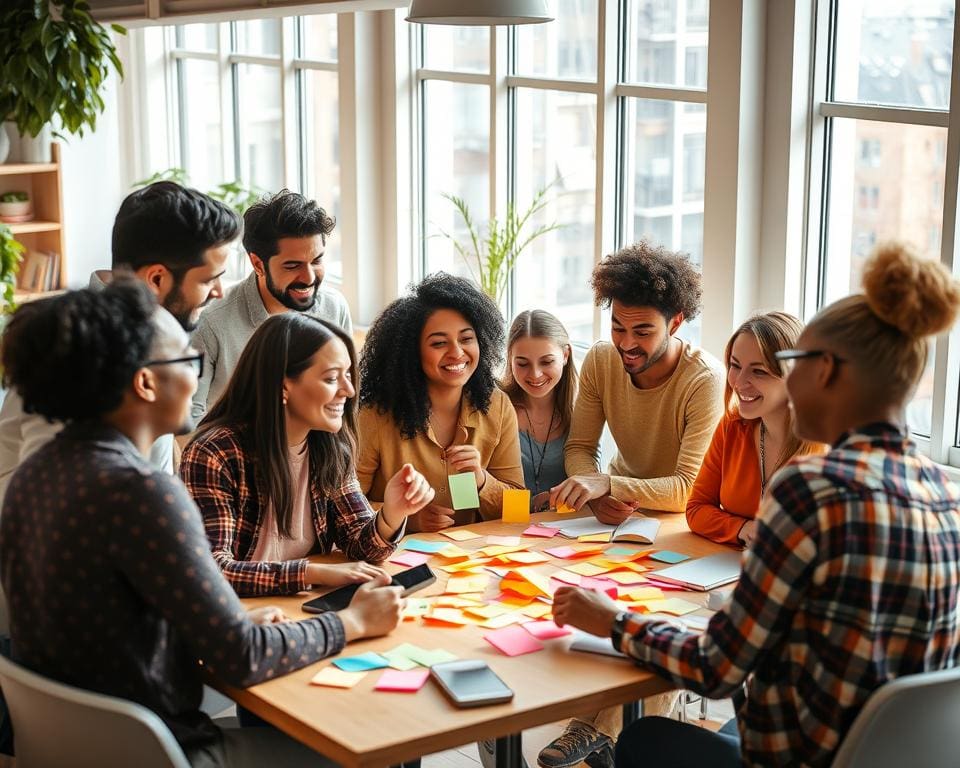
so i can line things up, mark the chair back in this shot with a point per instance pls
(57, 724)
(911, 721)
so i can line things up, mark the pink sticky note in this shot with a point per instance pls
(507, 541)
(606, 586)
(562, 552)
(541, 531)
(513, 641)
(409, 681)
(545, 630)
(409, 559)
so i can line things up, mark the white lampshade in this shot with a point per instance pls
(473, 13)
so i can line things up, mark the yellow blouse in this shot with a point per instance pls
(495, 435)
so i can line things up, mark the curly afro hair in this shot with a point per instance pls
(90, 343)
(391, 377)
(645, 275)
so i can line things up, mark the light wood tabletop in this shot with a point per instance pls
(360, 727)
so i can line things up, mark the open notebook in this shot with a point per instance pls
(642, 530)
(704, 573)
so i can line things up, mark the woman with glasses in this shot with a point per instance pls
(853, 577)
(755, 437)
(272, 466)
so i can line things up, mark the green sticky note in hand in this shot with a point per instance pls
(463, 490)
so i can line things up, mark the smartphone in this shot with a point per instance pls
(470, 683)
(411, 580)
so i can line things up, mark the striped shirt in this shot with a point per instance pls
(853, 580)
(220, 471)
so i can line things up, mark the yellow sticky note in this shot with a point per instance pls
(414, 607)
(503, 620)
(332, 677)
(459, 534)
(527, 558)
(500, 549)
(625, 577)
(516, 505)
(586, 569)
(447, 616)
(455, 601)
(563, 509)
(536, 610)
(466, 565)
(453, 552)
(673, 605)
(471, 583)
(637, 594)
(490, 610)
(595, 537)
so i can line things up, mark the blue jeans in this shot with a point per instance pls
(671, 744)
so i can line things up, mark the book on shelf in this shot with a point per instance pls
(39, 271)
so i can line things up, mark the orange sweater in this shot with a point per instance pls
(726, 492)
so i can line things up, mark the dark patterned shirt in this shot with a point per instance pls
(220, 471)
(112, 587)
(852, 581)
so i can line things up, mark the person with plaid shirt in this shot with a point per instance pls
(854, 575)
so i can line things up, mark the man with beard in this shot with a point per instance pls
(174, 239)
(661, 398)
(285, 237)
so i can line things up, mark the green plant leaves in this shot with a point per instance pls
(11, 252)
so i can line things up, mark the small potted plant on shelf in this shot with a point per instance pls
(15, 207)
(11, 252)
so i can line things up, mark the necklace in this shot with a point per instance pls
(763, 463)
(532, 443)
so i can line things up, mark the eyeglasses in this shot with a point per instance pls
(196, 360)
(789, 357)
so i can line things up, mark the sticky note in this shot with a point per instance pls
(666, 556)
(626, 577)
(672, 605)
(361, 663)
(419, 545)
(507, 541)
(513, 641)
(541, 531)
(453, 552)
(459, 534)
(545, 630)
(636, 594)
(526, 581)
(516, 505)
(536, 610)
(410, 559)
(527, 558)
(563, 577)
(446, 616)
(468, 583)
(429, 658)
(586, 569)
(595, 537)
(493, 550)
(562, 552)
(463, 490)
(488, 611)
(455, 601)
(403, 682)
(620, 552)
(414, 608)
(563, 509)
(336, 678)
(503, 620)
(400, 662)
(516, 601)
(599, 585)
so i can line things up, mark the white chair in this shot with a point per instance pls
(57, 724)
(914, 720)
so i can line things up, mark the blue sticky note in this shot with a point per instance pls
(419, 545)
(463, 490)
(361, 663)
(666, 556)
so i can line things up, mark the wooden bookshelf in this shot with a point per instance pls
(42, 181)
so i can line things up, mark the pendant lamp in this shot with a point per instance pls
(478, 13)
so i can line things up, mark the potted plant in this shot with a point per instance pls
(15, 206)
(10, 254)
(492, 255)
(54, 63)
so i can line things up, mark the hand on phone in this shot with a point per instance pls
(373, 611)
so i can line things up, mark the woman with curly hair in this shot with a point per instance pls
(429, 397)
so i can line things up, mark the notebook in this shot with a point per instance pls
(581, 526)
(704, 573)
(637, 530)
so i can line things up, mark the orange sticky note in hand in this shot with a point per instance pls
(516, 505)
(563, 509)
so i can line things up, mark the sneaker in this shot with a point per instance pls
(602, 758)
(578, 742)
(488, 753)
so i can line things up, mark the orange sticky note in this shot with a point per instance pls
(516, 505)
(563, 509)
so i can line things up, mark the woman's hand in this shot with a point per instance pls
(466, 458)
(269, 614)
(373, 611)
(406, 493)
(748, 532)
(434, 517)
(585, 609)
(341, 574)
(578, 490)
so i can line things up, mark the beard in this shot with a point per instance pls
(284, 296)
(649, 360)
(176, 305)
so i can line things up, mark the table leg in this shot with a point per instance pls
(631, 712)
(508, 752)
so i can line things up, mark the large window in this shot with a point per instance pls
(545, 107)
(257, 102)
(881, 132)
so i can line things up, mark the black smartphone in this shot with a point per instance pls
(470, 683)
(411, 580)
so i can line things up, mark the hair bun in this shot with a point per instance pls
(916, 295)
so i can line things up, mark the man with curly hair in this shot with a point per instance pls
(661, 398)
(285, 237)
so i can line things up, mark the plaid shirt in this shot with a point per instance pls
(222, 476)
(853, 580)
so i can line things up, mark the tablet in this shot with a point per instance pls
(470, 683)
(411, 580)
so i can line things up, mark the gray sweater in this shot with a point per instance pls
(227, 325)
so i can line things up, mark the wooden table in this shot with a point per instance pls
(361, 727)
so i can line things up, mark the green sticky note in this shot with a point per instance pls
(398, 661)
(463, 490)
(666, 556)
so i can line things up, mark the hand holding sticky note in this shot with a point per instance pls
(463, 490)
(516, 505)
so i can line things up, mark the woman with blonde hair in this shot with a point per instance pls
(755, 437)
(853, 577)
(541, 382)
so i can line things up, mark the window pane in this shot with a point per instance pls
(456, 156)
(556, 141)
(201, 142)
(886, 182)
(894, 52)
(260, 127)
(320, 153)
(197, 37)
(564, 48)
(456, 48)
(319, 36)
(260, 37)
(667, 42)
